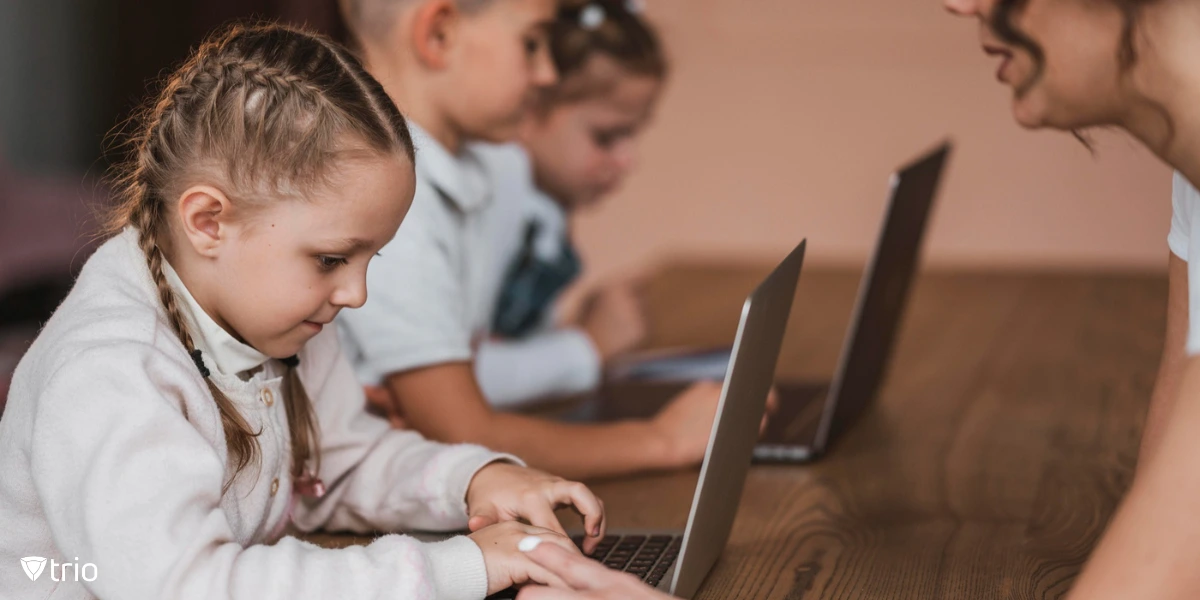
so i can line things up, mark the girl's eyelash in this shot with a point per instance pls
(329, 263)
(604, 140)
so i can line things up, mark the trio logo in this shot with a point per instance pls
(35, 565)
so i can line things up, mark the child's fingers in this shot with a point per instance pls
(585, 502)
(591, 541)
(478, 522)
(539, 514)
(772, 400)
(379, 397)
(485, 515)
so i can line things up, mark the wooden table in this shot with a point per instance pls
(1001, 443)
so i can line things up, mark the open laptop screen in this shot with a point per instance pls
(883, 294)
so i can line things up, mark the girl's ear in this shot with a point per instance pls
(435, 29)
(205, 214)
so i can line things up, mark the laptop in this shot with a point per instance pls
(812, 414)
(677, 562)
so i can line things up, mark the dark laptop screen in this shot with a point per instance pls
(884, 293)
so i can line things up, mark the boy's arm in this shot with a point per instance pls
(444, 403)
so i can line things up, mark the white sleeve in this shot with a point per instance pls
(1182, 194)
(556, 362)
(1184, 226)
(415, 315)
(127, 483)
(379, 478)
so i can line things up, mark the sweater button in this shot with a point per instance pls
(274, 486)
(267, 397)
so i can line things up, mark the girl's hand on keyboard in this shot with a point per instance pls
(507, 492)
(583, 578)
(507, 565)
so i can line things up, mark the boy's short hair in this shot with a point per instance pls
(374, 19)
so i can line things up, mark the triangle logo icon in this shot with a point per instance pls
(33, 565)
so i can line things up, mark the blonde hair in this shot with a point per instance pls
(261, 108)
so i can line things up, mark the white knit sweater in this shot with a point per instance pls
(99, 465)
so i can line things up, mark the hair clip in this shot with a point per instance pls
(592, 16)
(290, 361)
(196, 358)
(635, 7)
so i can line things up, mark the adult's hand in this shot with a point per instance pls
(585, 578)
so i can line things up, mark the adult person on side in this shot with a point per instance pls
(1134, 65)
(1073, 65)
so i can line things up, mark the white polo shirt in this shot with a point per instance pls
(1185, 225)
(427, 301)
(433, 289)
(551, 361)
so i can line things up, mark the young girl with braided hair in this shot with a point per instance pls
(578, 144)
(186, 406)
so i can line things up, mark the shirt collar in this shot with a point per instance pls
(462, 178)
(221, 351)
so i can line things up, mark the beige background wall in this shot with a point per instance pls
(784, 117)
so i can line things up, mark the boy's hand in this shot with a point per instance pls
(382, 403)
(613, 318)
(685, 423)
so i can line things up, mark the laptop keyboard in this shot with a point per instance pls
(646, 557)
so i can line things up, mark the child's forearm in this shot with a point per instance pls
(444, 403)
(583, 451)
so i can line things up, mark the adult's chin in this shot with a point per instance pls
(1029, 112)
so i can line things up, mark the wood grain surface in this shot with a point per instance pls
(999, 447)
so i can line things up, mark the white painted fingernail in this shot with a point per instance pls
(529, 543)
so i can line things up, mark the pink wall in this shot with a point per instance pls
(784, 117)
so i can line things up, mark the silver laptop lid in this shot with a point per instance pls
(748, 380)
